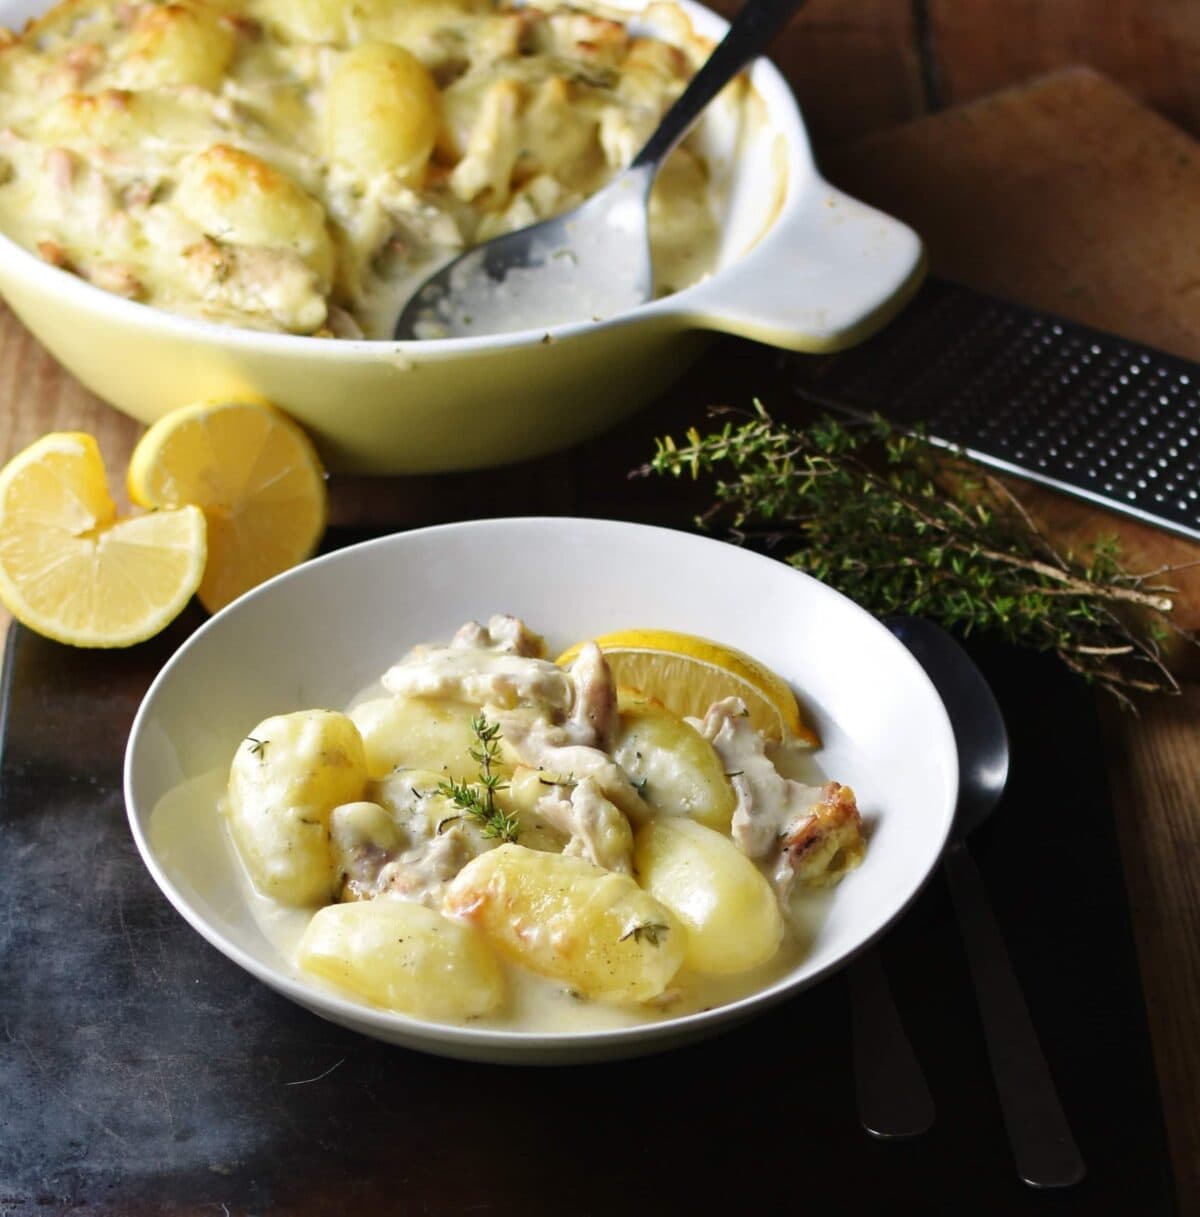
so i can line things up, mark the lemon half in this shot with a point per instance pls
(254, 474)
(70, 569)
(687, 674)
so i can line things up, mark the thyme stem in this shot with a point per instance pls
(902, 525)
(478, 799)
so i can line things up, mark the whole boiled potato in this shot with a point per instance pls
(403, 956)
(287, 776)
(566, 918)
(730, 910)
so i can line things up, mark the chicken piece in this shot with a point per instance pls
(365, 838)
(766, 800)
(822, 844)
(117, 278)
(492, 147)
(82, 62)
(548, 746)
(60, 166)
(408, 841)
(270, 282)
(53, 253)
(419, 873)
(502, 633)
(481, 676)
(593, 717)
(594, 827)
(815, 831)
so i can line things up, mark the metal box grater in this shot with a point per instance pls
(1093, 415)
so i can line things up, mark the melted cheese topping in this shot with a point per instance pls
(302, 165)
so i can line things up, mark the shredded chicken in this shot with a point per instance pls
(503, 632)
(481, 675)
(814, 832)
(408, 843)
(544, 745)
(593, 717)
(419, 873)
(824, 843)
(596, 828)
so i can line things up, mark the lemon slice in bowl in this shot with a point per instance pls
(254, 474)
(687, 674)
(70, 569)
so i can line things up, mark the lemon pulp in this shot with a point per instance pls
(688, 673)
(254, 474)
(70, 569)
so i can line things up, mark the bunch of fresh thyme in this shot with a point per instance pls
(903, 526)
(478, 799)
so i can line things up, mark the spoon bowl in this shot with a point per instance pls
(594, 261)
(979, 731)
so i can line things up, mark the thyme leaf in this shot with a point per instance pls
(652, 932)
(902, 525)
(478, 799)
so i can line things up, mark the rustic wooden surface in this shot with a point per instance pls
(1118, 245)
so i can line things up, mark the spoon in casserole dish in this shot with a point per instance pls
(594, 260)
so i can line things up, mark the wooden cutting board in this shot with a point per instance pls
(1066, 194)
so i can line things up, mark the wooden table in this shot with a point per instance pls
(859, 67)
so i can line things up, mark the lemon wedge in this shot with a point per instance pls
(687, 674)
(70, 569)
(254, 474)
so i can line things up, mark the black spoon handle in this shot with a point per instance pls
(893, 1096)
(756, 24)
(1043, 1147)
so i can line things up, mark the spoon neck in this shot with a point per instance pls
(756, 24)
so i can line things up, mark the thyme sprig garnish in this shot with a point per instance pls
(478, 799)
(905, 526)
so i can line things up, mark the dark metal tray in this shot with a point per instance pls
(142, 1072)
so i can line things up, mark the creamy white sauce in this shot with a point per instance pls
(583, 271)
(188, 836)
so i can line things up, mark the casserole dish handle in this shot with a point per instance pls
(828, 274)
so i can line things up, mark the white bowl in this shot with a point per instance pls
(324, 631)
(825, 272)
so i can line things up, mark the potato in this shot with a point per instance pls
(289, 773)
(562, 917)
(237, 198)
(731, 914)
(676, 769)
(403, 956)
(382, 111)
(409, 732)
(179, 44)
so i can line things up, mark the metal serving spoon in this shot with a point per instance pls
(1044, 1149)
(595, 259)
